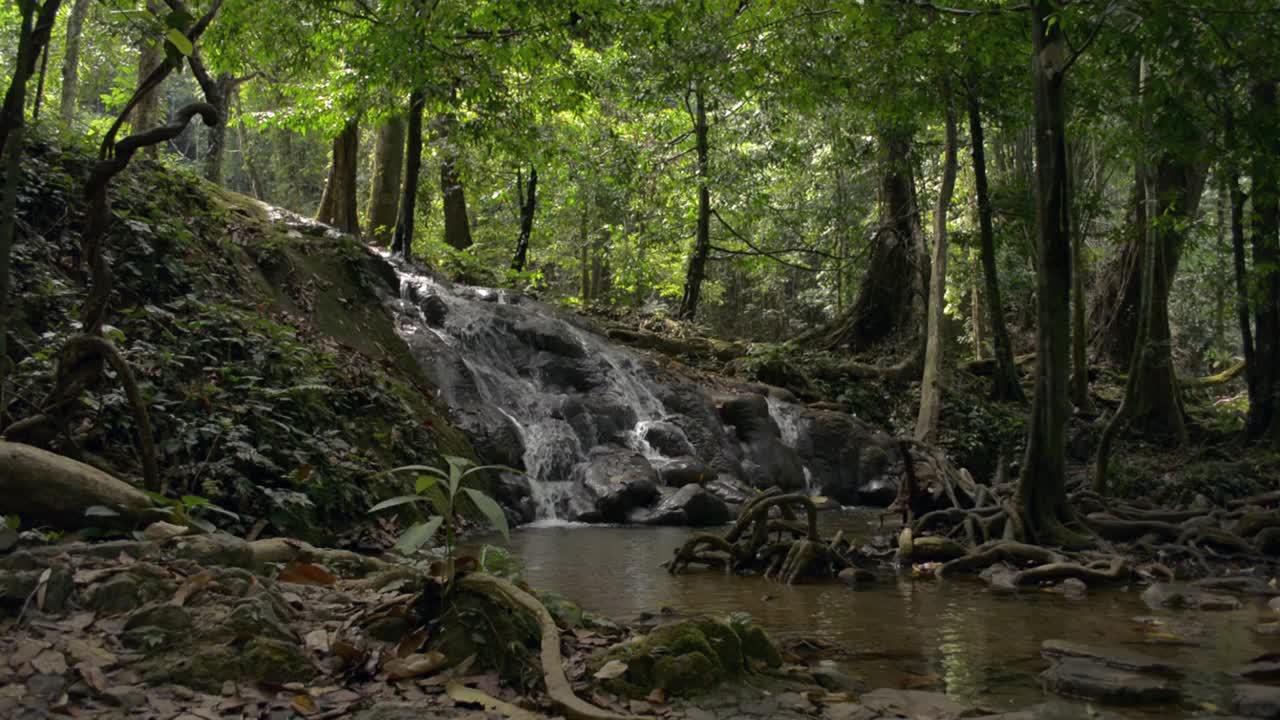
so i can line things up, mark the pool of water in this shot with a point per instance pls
(980, 647)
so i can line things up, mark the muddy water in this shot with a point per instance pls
(981, 648)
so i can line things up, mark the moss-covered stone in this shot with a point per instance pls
(567, 614)
(686, 657)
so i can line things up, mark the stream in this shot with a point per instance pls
(980, 647)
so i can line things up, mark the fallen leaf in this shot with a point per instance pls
(193, 585)
(410, 643)
(657, 697)
(27, 650)
(317, 640)
(49, 662)
(304, 704)
(43, 587)
(414, 665)
(612, 669)
(301, 573)
(83, 651)
(468, 696)
(92, 675)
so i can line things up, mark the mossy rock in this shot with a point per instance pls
(686, 657)
(499, 638)
(207, 667)
(568, 615)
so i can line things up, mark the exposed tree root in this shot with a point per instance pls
(1117, 571)
(558, 689)
(1005, 551)
(746, 547)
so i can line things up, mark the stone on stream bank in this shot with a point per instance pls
(683, 658)
(1118, 677)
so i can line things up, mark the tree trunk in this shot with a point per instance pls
(384, 187)
(1079, 337)
(697, 269)
(44, 68)
(71, 60)
(931, 381)
(1042, 497)
(256, 185)
(891, 294)
(1222, 256)
(1004, 381)
(223, 88)
(457, 225)
(146, 114)
(527, 208)
(403, 241)
(1263, 421)
(1238, 259)
(338, 203)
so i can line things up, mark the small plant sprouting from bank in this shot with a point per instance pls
(444, 498)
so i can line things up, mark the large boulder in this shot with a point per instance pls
(850, 461)
(691, 505)
(684, 471)
(683, 658)
(619, 480)
(667, 439)
(766, 460)
(1084, 678)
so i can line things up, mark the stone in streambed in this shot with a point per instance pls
(684, 471)
(1057, 650)
(1256, 701)
(856, 577)
(1090, 680)
(1177, 595)
(913, 704)
(619, 480)
(691, 506)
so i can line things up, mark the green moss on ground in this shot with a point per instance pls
(277, 384)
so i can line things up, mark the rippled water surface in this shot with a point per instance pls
(980, 647)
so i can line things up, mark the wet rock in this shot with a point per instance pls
(848, 711)
(566, 613)
(1111, 657)
(620, 480)
(766, 461)
(880, 492)
(1265, 671)
(856, 577)
(1053, 711)
(1252, 523)
(832, 680)
(1072, 588)
(127, 697)
(434, 310)
(17, 586)
(1240, 584)
(999, 577)
(514, 493)
(1268, 541)
(684, 471)
(1090, 680)
(729, 489)
(913, 704)
(668, 439)
(931, 548)
(1256, 701)
(1180, 596)
(692, 506)
(850, 461)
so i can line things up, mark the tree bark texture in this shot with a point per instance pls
(384, 187)
(402, 242)
(697, 269)
(338, 203)
(528, 206)
(71, 60)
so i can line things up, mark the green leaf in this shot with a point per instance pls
(425, 482)
(491, 509)
(179, 41)
(179, 20)
(394, 502)
(13, 522)
(416, 468)
(416, 536)
(194, 500)
(501, 468)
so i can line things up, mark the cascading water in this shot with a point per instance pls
(787, 416)
(519, 374)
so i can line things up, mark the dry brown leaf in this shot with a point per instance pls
(192, 586)
(410, 643)
(304, 705)
(83, 651)
(612, 669)
(50, 662)
(467, 696)
(302, 573)
(657, 697)
(92, 675)
(27, 650)
(317, 640)
(414, 665)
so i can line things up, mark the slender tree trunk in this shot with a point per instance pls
(527, 209)
(384, 187)
(1079, 332)
(256, 185)
(1263, 421)
(1042, 497)
(1004, 381)
(44, 68)
(338, 203)
(1221, 255)
(223, 88)
(146, 114)
(697, 270)
(403, 240)
(975, 309)
(457, 224)
(71, 60)
(931, 381)
(585, 249)
(1238, 259)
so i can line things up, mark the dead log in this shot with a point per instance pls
(44, 488)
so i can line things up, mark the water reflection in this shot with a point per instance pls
(980, 647)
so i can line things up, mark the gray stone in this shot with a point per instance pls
(1256, 701)
(691, 505)
(125, 696)
(1090, 680)
(916, 704)
(1055, 710)
(668, 439)
(856, 577)
(214, 549)
(1259, 671)
(684, 471)
(1111, 657)
(1180, 596)
(619, 480)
